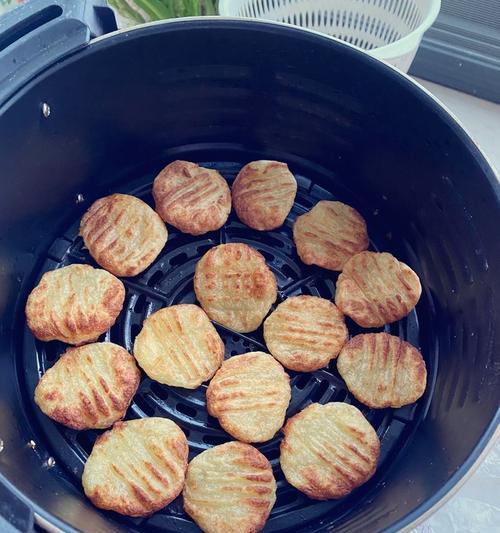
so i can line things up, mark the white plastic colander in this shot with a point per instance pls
(387, 29)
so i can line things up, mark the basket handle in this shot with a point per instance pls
(41, 32)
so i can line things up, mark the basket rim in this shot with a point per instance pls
(388, 51)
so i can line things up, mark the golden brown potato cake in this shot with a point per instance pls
(305, 332)
(382, 371)
(329, 450)
(229, 488)
(74, 304)
(376, 289)
(330, 234)
(235, 286)
(179, 346)
(123, 234)
(249, 395)
(193, 199)
(137, 467)
(263, 194)
(89, 387)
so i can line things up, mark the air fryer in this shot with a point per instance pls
(82, 117)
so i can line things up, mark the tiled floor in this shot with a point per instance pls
(475, 508)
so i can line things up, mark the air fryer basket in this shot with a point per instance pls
(222, 93)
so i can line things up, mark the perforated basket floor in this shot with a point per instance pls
(170, 281)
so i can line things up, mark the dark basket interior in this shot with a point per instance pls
(170, 281)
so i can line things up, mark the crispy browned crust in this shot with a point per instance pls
(234, 286)
(382, 371)
(123, 234)
(192, 198)
(376, 289)
(89, 387)
(74, 304)
(304, 333)
(330, 234)
(249, 395)
(179, 346)
(229, 488)
(263, 194)
(329, 450)
(137, 467)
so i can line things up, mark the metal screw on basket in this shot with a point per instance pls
(32, 444)
(51, 462)
(1, 445)
(80, 198)
(45, 110)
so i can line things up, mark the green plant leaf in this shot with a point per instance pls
(154, 8)
(126, 11)
(163, 9)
